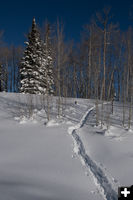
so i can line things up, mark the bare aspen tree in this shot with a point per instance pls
(104, 20)
(1, 79)
(89, 61)
(73, 62)
(107, 29)
(59, 42)
(48, 73)
(30, 105)
(14, 67)
(123, 100)
(96, 93)
(47, 92)
(129, 74)
(60, 63)
(97, 89)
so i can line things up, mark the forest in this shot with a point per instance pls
(99, 66)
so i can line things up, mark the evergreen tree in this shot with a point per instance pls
(33, 65)
(0, 78)
(3, 78)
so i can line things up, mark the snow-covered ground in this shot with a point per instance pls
(66, 159)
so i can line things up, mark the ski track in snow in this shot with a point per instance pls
(99, 177)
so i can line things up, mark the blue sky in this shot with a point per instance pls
(16, 16)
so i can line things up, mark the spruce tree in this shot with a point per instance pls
(0, 78)
(3, 78)
(36, 66)
(33, 64)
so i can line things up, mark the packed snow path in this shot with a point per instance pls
(100, 179)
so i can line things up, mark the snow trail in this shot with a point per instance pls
(100, 179)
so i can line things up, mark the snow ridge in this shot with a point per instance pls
(98, 175)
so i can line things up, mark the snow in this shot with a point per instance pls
(67, 158)
(114, 151)
(52, 123)
(36, 160)
(96, 172)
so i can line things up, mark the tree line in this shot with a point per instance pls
(99, 66)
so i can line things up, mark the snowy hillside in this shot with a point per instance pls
(68, 158)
